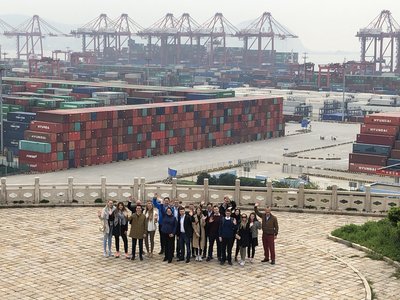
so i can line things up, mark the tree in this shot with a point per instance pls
(226, 179)
(201, 177)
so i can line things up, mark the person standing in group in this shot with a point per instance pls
(161, 213)
(270, 230)
(254, 226)
(207, 213)
(228, 203)
(121, 227)
(177, 205)
(243, 238)
(227, 230)
(138, 231)
(169, 228)
(107, 216)
(184, 233)
(199, 236)
(151, 226)
(213, 223)
(132, 207)
(236, 215)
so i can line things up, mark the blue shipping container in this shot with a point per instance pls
(15, 126)
(19, 116)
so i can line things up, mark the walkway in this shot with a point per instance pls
(55, 253)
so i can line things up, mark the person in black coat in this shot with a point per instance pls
(184, 233)
(228, 203)
(169, 230)
(243, 236)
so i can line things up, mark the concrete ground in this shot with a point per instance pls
(56, 253)
(155, 168)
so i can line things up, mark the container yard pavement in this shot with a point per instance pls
(60, 257)
(155, 168)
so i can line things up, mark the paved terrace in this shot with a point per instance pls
(56, 253)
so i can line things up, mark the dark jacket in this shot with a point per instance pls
(227, 229)
(222, 207)
(245, 234)
(213, 227)
(269, 227)
(169, 224)
(187, 225)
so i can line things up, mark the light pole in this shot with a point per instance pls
(1, 110)
(344, 88)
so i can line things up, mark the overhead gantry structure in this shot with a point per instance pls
(380, 43)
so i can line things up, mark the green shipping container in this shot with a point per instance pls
(34, 146)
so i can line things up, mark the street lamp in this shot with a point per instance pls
(344, 88)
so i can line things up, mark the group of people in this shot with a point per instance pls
(188, 233)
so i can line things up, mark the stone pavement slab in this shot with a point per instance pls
(56, 253)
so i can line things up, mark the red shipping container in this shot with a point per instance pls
(379, 129)
(383, 119)
(367, 159)
(395, 153)
(44, 137)
(376, 139)
(363, 168)
(46, 127)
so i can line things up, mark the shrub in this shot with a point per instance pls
(98, 200)
(244, 181)
(394, 216)
(44, 201)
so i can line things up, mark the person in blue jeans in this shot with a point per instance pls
(227, 230)
(107, 217)
(184, 233)
(161, 212)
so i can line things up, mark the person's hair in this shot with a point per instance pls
(238, 209)
(137, 206)
(243, 224)
(149, 211)
(168, 208)
(209, 203)
(123, 205)
(255, 216)
(167, 198)
(181, 207)
(228, 210)
(215, 206)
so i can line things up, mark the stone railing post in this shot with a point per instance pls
(103, 189)
(135, 192)
(174, 191)
(3, 198)
(36, 191)
(270, 195)
(368, 201)
(206, 191)
(236, 196)
(70, 195)
(300, 196)
(334, 198)
(142, 195)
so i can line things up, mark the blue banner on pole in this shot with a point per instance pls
(172, 172)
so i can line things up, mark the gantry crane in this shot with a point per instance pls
(30, 35)
(378, 42)
(261, 34)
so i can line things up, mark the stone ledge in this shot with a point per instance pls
(362, 248)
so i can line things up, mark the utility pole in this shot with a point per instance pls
(305, 66)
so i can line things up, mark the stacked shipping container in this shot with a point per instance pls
(377, 145)
(61, 139)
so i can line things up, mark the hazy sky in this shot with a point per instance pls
(321, 25)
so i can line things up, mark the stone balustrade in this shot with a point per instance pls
(72, 192)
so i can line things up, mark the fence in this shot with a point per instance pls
(72, 193)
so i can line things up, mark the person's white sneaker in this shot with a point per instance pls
(200, 259)
(242, 263)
